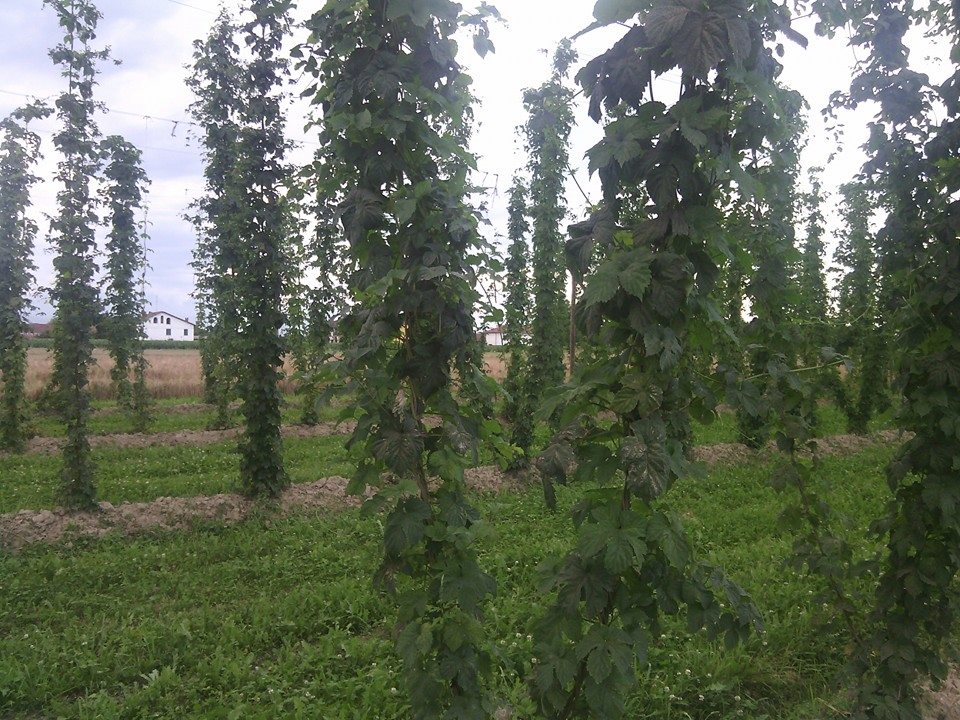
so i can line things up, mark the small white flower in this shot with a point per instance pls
(393, 691)
(687, 672)
(701, 697)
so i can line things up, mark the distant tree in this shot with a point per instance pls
(73, 236)
(19, 152)
(126, 263)
(547, 135)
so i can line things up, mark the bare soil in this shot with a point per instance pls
(28, 527)
(186, 437)
(731, 453)
(944, 704)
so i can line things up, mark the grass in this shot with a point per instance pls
(110, 419)
(124, 475)
(277, 618)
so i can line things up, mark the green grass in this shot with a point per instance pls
(831, 422)
(30, 481)
(110, 419)
(277, 618)
(125, 475)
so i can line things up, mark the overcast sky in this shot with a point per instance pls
(146, 95)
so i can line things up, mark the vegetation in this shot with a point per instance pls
(861, 336)
(396, 118)
(547, 134)
(315, 638)
(259, 253)
(702, 318)
(73, 235)
(518, 410)
(19, 152)
(215, 84)
(126, 265)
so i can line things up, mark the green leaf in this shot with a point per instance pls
(635, 278)
(406, 526)
(602, 285)
(614, 11)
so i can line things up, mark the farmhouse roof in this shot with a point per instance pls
(164, 312)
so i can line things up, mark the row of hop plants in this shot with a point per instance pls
(698, 221)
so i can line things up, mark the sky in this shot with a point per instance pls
(147, 100)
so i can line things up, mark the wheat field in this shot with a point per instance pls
(172, 373)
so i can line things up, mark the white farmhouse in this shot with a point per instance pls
(164, 326)
(492, 337)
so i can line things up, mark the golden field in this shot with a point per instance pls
(172, 373)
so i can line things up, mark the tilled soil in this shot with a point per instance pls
(731, 453)
(186, 437)
(944, 704)
(28, 527)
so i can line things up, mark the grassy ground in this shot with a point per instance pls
(30, 481)
(136, 475)
(277, 618)
(109, 419)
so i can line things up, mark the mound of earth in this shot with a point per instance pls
(186, 437)
(27, 527)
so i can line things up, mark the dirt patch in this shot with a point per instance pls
(944, 704)
(28, 527)
(732, 453)
(187, 437)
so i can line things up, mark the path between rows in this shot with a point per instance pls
(27, 527)
(186, 437)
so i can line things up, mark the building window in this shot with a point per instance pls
(169, 332)
(186, 332)
(168, 321)
(154, 320)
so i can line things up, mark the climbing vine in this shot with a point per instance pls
(813, 304)
(126, 264)
(772, 335)
(914, 168)
(650, 303)
(215, 83)
(72, 234)
(517, 315)
(396, 117)
(19, 152)
(259, 255)
(547, 137)
(861, 332)
(317, 276)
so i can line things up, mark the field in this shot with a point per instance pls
(269, 611)
(172, 373)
